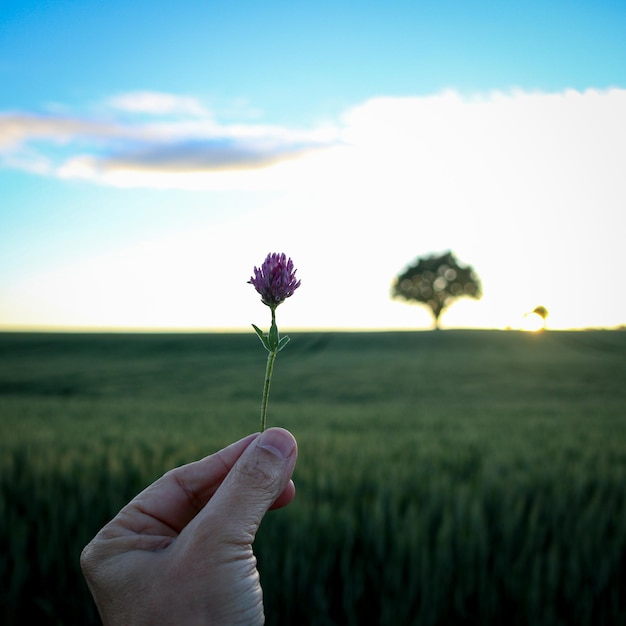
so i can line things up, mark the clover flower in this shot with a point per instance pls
(275, 281)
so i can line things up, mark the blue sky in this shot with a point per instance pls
(151, 153)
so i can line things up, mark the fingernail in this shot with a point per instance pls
(277, 441)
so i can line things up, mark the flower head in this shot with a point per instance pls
(275, 280)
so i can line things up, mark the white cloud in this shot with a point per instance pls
(157, 103)
(446, 144)
(181, 151)
(18, 129)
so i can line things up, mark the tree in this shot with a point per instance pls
(542, 312)
(437, 281)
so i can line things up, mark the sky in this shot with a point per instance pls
(153, 153)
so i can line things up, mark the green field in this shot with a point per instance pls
(444, 477)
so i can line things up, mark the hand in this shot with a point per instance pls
(181, 551)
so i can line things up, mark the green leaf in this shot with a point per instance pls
(282, 343)
(262, 337)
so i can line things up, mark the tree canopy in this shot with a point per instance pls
(541, 312)
(437, 281)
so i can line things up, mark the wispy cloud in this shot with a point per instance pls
(492, 146)
(178, 137)
(156, 103)
(19, 129)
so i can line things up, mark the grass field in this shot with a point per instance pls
(449, 477)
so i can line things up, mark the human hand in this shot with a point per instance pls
(181, 551)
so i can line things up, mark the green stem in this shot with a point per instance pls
(266, 387)
(271, 357)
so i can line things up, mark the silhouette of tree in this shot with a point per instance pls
(542, 312)
(437, 281)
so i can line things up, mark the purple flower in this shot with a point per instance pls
(275, 280)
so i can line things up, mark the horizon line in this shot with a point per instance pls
(60, 329)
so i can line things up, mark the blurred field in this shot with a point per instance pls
(452, 477)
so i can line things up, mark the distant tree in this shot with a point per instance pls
(437, 281)
(541, 312)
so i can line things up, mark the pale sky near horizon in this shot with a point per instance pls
(152, 153)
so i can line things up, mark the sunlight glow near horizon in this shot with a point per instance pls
(525, 187)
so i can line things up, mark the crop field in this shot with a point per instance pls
(444, 477)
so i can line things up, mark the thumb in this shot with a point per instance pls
(253, 484)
